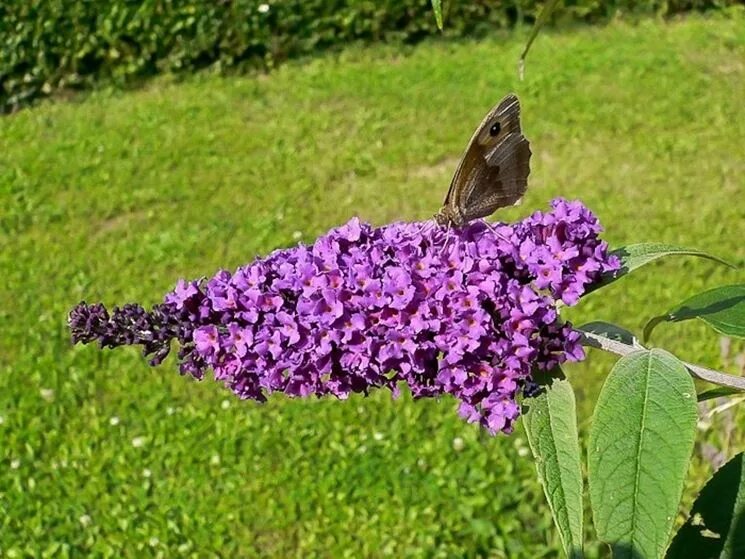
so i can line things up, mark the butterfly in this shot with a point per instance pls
(493, 172)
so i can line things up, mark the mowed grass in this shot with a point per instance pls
(114, 197)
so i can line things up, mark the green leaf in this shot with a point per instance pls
(720, 392)
(640, 446)
(437, 7)
(610, 331)
(637, 255)
(716, 526)
(551, 426)
(722, 308)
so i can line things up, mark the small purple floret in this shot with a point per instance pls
(470, 312)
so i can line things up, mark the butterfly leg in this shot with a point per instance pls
(422, 230)
(493, 230)
(447, 240)
(427, 225)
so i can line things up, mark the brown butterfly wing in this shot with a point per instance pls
(493, 172)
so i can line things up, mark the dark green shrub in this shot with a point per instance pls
(52, 44)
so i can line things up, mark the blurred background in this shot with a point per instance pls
(150, 141)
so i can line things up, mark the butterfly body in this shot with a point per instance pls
(493, 172)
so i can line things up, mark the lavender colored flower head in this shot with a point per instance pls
(470, 312)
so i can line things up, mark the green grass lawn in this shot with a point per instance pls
(114, 197)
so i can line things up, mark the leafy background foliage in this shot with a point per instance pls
(47, 45)
(114, 196)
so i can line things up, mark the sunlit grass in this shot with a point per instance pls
(114, 197)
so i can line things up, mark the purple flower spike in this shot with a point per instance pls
(469, 312)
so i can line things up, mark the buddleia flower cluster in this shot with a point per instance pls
(471, 312)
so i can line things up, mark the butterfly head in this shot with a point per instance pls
(449, 215)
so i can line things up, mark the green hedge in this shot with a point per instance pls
(52, 44)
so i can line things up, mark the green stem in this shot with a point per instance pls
(619, 348)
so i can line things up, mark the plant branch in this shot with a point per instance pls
(620, 348)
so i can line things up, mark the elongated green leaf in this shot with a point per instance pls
(716, 526)
(610, 331)
(551, 426)
(722, 308)
(637, 255)
(437, 7)
(640, 445)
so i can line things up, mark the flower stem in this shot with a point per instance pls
(620, 348)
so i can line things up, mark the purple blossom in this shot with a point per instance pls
(470, 312)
